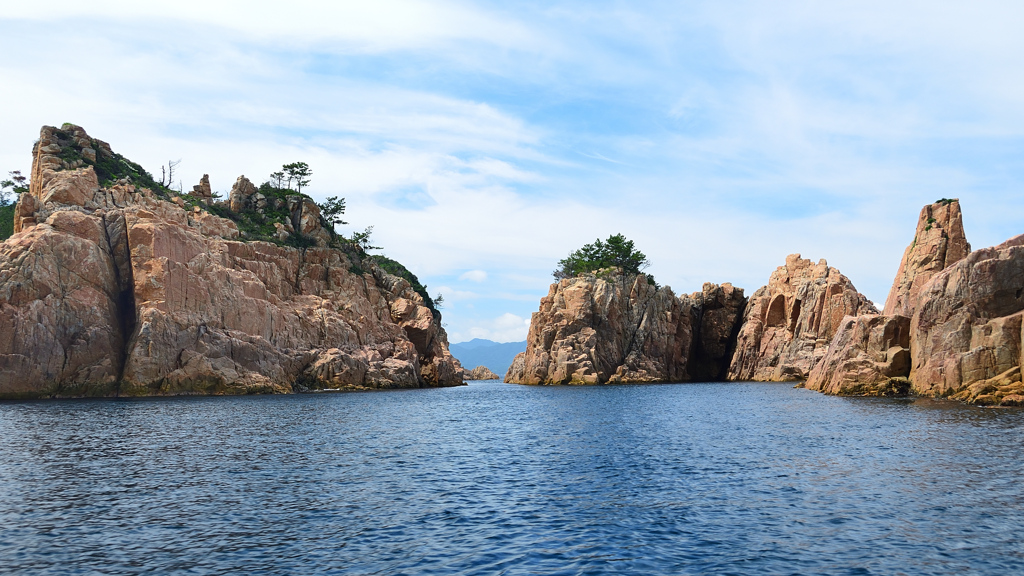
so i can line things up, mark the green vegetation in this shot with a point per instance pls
(10, 190)
(253, 224)
(259, 224)
(616, 252)
(110, 166)
(332, 209)
(395, 268)
(944, 201)
(6, 221)
(297, 172)
(15, 185)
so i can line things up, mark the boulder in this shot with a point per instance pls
(869, 356)
(306, 219)
(939, 242)
(965, 338)
(240, 198)
(788, 324)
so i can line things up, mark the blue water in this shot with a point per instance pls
(502, 479)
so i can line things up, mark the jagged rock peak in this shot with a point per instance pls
(788, 324)
(939, 242)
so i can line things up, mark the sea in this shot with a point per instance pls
(493, 478)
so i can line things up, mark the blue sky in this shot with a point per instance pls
(485, 140)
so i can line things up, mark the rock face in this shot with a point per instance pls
(480, 373)
(788, 324)
(717, 311)
(610, 328)
(869, 356)
(116, 291)
(966, 331)
(939, 242)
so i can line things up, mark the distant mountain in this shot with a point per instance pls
(496, 356)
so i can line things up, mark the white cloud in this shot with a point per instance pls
(505, 328)
(718, 136)
(474, 276)
(372, 26)
(453, 295)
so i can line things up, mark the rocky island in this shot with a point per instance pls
(114, 285)
(951, 326)
(480, 373)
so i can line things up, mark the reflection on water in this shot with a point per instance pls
(494, 478)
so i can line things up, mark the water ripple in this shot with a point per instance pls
(501, 479)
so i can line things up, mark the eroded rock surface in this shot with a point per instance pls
(116, 291)
(939, 242)
(593, 330)
(966, 331)
(610, 328)
(788, 324)
(869, 356)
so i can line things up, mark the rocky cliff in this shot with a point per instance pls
(870, 355)
(788, 324)
(608, 327)
(109, 287)
(965, 338)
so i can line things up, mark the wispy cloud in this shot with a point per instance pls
(479, 137)
(474, 276)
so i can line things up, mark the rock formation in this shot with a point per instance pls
(788, 324)
(480, 373)
(113, 290)
(608, 327)
(939, 242)
(869, 356)
(203, 190)
(965, 338)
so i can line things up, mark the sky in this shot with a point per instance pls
(484, 141)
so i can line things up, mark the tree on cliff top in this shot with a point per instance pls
(297, 172)
(615, 252)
